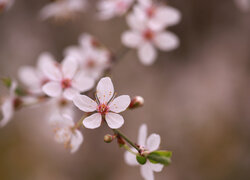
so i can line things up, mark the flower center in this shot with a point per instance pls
(103, 109)
(148, 34)
(66, 83)
(150, 11)
(91, 63)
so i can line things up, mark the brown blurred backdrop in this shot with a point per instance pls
(196, 97)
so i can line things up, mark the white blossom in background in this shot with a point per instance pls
(6, 4)
(8, 106)
(91, 55)
(112, 8)
(34, 77)
(158, 16)
(147, 145)
(66, 80)
(105, 107)
(65, 133)
(146, 40)
(63, 9)
(243, 5)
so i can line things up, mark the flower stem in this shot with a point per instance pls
(126, 139)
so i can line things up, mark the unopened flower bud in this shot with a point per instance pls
(108, 138)
(137, 101)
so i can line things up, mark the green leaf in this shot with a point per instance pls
(141, 160)
(7, 82)
(162, 157)
(20, 92)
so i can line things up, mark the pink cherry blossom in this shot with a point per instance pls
(149, 144)
(66, 80)
(111, 8)
(63, 127)
(146, 40)
(106, 106)
(63, 9)
(6, 4)
(34, 78)
(91, 55)
(158, 16)
(244, 5)
(7, 107)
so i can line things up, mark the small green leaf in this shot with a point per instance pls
(20, 92)
(141, 160)
(162, 157)
(7, 82)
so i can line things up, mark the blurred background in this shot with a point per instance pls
(196, 97)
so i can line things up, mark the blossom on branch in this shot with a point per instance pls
(65, 133)
(111, 8)
(148, 23)
(146, 145)
(5, 4)
(8, 106)
(66, 80)
(62, 9)
(106, 106)
(34, 78)
(92, 56)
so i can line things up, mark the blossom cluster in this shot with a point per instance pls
(70, 83)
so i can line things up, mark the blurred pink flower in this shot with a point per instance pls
(244, 5)
(91, 55)
(111, 8)
(65, 133)
(66, 80)
(145, 39)
(63, 9)
(105, 105)
(34, 78)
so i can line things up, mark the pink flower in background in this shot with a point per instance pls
(147, 145)
(62, 9)
(66, 80)
(106, 106)
(146, 40)
(6, 4)
(34, 78)
(111, 8)
(63, 127)
(158, 16)
(91, 55)
(244, 5)
(8, 106)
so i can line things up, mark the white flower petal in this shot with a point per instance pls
(130, 159)
(52, 89)
(146, 172)
(147, 54)
(44, 59)
(93, 121)
(131, 39)
(114, 120)
(76, 141)
(7, 111)
(105, 90)
(166, 41)
(84, 103)
(28, 75)
(135, 23)
(156, 167)
(82, 82)
(142, 136)
(52, 71)
(153, 142)
(70, 93)
(120, 104)
(165, 16)
(69, 67)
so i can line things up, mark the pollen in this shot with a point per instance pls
(148, 34)
(103, 109)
